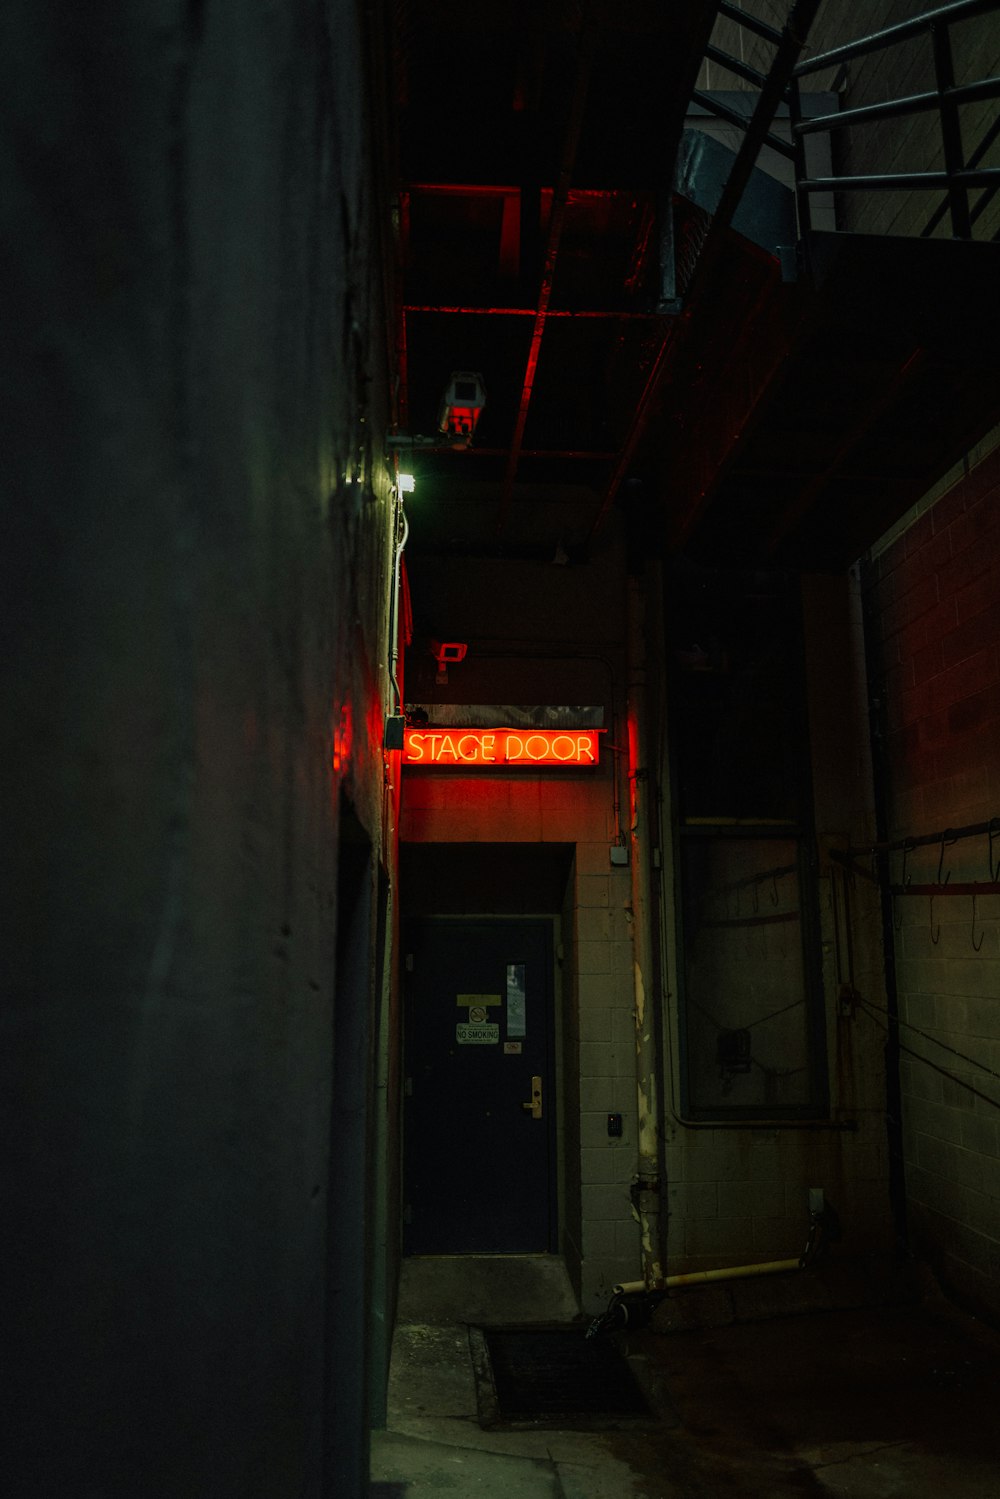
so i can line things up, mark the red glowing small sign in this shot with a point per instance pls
(474, 748)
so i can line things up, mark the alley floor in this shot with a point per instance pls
(846, 1384)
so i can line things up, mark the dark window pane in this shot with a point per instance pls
(737, 700)
(746, 994)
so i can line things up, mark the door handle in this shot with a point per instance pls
(534, 1106)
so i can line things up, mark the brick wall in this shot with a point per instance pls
(936, 626)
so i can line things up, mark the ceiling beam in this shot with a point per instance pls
(792, 39)
(587, 455)
(609, 314)
(402, 352)
(855, 434)
(557, 217)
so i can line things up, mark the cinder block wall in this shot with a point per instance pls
(735, 1194)
(738, 1192)
(539, 633)
(190, 304)
(936, 637)
(609, 1248)
(599, 1234)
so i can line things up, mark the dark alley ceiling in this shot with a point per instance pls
(761, 419)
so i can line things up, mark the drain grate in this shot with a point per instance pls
(542, 1373)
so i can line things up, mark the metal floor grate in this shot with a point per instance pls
(545, 1373)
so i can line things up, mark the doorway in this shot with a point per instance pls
(479, 1160)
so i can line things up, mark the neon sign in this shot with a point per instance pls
(522, 747)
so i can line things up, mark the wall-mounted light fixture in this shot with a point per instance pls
(407, 483)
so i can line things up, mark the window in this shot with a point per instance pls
(751, 1022)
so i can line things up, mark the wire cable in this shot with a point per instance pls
(877, 1012)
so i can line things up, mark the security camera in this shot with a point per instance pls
(462, 406)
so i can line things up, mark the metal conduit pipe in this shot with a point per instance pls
(700, 1277)
(646, 1189)
(634, 1301)
(819, 1217)
(402, 532)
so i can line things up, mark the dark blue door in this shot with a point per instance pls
(479, 1115)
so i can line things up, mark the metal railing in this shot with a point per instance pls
(781, 85)
(958, 176)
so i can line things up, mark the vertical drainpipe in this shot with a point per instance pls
(402, 531)
(646, 1189)
(875, 674)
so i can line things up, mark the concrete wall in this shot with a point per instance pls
(936, 642)
(192, 343)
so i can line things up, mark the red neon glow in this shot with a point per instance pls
(522, 747)
(342, 737)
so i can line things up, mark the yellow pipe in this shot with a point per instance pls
(647, 1190)
(699, 1277)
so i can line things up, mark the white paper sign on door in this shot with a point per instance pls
(477, 1035)
(516, 1015)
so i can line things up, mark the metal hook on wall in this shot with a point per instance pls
(775, 897)
(993, 831)
(904, 881)
(908, 848)
(935, 939)
(982, 935)
(947, 838)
